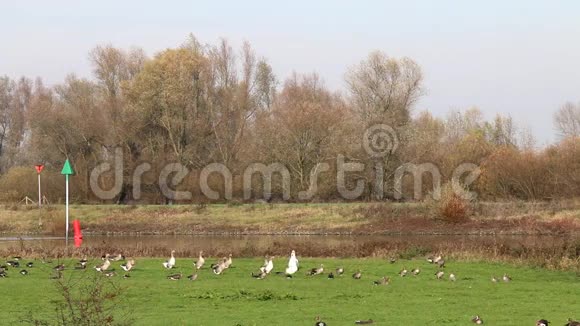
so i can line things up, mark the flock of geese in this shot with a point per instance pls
(262, 272)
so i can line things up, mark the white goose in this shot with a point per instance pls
(171, 262)
(292, 264)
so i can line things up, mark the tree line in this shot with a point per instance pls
(198, 104)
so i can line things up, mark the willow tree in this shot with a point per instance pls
(170, 97)
(383, 91)
(114, 69)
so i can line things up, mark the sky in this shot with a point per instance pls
(510, 57)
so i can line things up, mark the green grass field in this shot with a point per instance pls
(235, 298)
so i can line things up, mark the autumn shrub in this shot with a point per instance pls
(455, 204)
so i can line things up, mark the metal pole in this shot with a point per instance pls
(66, 236)
(39, 196)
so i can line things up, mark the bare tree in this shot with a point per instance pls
(303, 128)
(385, 89)
(238, 93)
(114, 70)
(14, 103)
(567, 120)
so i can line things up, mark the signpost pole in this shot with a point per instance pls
(66, 171)
(39, 196)
(66, 237)
(39, 168)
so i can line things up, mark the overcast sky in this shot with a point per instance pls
(516, 57)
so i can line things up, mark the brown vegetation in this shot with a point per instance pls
(198, 104)
(300, 219)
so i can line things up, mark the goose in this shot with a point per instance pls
(29, 264)
(316, 271)
(268, 265)
(200, 261)
(175, 277)
(477, 320)
(13, 263)
(170, 263)
(437, 259)
(82, 264)
(452, 277)
(572, 322)
(3, 274)
(364, 322)
(110, 274)
(293, 261)
(228, 261)
(59, 268)
(383, 281)
(439, 274)
(104, 266)
(117, 257)
(403, 272)
(192, 277)
(506, 278)
(339, 271)
(441, 263)
(430, 259)
(393, 260)
(292, 265)
(415, 271)
(330, 276)
(319, 322)
(494, 279)
(24, 272)
(260, 276)
(17, 258)
(219, 267)
(357, 275)
(128, 266)
(542, 322)
(126, 276)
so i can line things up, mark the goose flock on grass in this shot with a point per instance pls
(266, 269)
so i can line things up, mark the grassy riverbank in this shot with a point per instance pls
(235, 298)
(334, 218)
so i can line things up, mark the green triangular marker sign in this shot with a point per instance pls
(67, 168)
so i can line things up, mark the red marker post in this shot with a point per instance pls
(78, 233)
